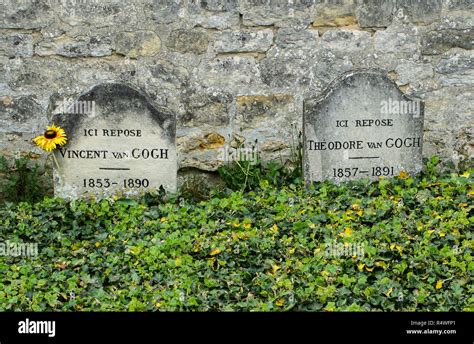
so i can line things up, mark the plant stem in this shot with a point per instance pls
(55, 160)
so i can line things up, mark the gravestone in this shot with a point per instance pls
(362, 126)
(119, 144)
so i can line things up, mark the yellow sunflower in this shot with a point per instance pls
(52, 137)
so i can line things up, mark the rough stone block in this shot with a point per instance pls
(243, 41)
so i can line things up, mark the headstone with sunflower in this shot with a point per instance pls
(125, 147)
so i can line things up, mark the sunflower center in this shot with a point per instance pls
(50, 134)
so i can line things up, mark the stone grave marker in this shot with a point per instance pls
(119, 144)
(362, 126)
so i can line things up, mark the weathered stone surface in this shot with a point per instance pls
(221, 21)
(380, 13)
(280, 13)
(203, 150)
(459, 5)
(252, 110)
(138, 43)
(293, 38)
(421, 12)
(347, 42)
(188, 41)
(274, 146)
(99, 14)
(456, 68)
(409, 72)
(464, 146)
(76, 47)
(206, 108)
(213, 5)
(13, 45)
(164, 11)
(119, 144)
(167, 72)
(243, 41)
(329, 64)
(25, 14)
(342, 14)
(214, 14)
(288, 67)
(362, 126)
(31, 76)
(460, 61)
(199, 141)
(211, 141)
(375, 13)
(439, 41)
(239, 71)
(265, 122)
(19, 114)
(449, 118)
(394, 41)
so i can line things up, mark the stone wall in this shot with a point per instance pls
(236, 69)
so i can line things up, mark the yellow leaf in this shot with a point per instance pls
(369, 269)
(347, 232)
(275, 268)
(442, 234)
(63, 265)
(360, 266)
(396, 247)
(360, 212)
(163, 219)
(236, 224)
(97, 244)
(355, 206)
(465, 175)
(280, 302)
(403, 175)
(312, 226)
(439, 284)
(215, 252)
(157, 305)
(247, 225)
(381, 264)
(389, 292)
(463, 205)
